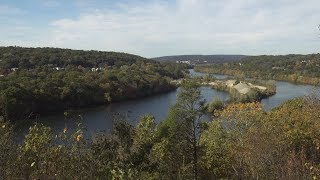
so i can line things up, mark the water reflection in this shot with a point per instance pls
(100, 118)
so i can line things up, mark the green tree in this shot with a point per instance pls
(179, 133)
(215, 105)
(8, 149)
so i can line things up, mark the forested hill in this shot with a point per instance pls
(37, 81)
(292, 64)
(19, 57)
(201, 59)
(293, 67)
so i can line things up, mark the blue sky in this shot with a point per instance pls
(153, 28)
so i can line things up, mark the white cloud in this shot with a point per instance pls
(156, 28)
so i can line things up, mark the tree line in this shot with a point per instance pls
(201, 59)
(293, 68)
(242, 142)
(28, 58)
(49, 80)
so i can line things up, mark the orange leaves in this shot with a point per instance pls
(241, 107)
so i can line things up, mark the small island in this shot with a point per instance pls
(241, 90)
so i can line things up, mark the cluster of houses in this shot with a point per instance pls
(185, 62)
(94, 69)
(192, 62)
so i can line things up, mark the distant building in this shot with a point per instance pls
(95, 69)
(58, 68)
(185, 62)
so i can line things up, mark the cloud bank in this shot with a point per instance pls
(156, 28)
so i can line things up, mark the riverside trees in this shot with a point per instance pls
(292, 68)
(45, 80)
(242, 142)
(179, 134)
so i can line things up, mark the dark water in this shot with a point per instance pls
(198, 74)
(286, 91)
(100, 118)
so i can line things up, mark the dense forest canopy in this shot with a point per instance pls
(43, 80)
(19, 57)
(294, 68)
(308, 65)
(242, 142)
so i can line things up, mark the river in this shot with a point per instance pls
(285, 91)
(101, 118)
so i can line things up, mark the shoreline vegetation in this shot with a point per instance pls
(298, 69)
(240, 90)
(242, 142)
(38, 81)
(292, 78)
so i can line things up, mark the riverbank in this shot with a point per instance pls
(101, 118)
(243, 91)
(292, 78)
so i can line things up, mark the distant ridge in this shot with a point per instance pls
(201, 59)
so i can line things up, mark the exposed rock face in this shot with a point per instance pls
(212, 83)
(242, 88)
(262, 88)
(230, 83)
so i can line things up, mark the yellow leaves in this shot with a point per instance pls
(32, 164)
(65, 130)
(243, 106)
(299, 122)
(240, 108)
(159, 150)
(79, 137)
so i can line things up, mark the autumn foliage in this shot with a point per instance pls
(241, 142)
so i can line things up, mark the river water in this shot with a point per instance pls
(101, 118)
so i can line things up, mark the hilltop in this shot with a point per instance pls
(29, 58)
